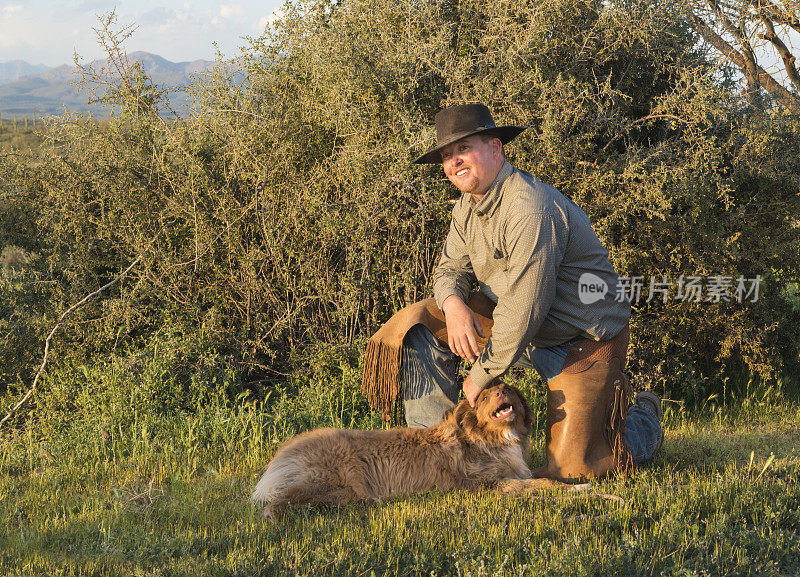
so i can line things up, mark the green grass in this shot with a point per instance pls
(82, 494)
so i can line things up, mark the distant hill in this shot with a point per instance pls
(16, 69)
(51, 91)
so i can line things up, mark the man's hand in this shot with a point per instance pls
(471, 390)
(462, 325)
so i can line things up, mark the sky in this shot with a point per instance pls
(49, 32)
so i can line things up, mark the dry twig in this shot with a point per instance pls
(64, 315)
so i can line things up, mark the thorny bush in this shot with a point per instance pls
(287, 218)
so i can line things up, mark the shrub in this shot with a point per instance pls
(284, 216)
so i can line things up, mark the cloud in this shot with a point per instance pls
(269, 21)
(10, 9)
(71, 10)
(230, 10)
(170, 20)
(155, 16)
(179, 30)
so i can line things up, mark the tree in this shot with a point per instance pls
(741, 29)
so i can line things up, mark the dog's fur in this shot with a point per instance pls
(470, 448)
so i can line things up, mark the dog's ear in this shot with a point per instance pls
(527, 418)
(465, 417)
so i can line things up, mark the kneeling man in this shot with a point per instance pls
(528, 248)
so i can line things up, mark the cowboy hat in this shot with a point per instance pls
(460, 121)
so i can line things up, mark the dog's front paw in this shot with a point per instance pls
(512, 486)
(529, 486)
(274, 512)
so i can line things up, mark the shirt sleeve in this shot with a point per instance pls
(453, 274)
(534, 254)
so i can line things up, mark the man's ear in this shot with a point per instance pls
(497, 147)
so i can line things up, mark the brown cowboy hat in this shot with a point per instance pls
(462, 120)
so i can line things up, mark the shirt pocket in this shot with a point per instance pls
(500, 260)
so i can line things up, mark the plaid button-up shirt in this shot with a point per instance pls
(530, 249)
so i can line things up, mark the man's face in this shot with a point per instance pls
(472, 164)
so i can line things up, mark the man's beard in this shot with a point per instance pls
(469, 186)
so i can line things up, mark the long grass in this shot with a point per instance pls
(167, 494)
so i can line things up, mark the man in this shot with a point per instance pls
(530, 250)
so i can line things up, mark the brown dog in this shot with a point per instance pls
(472, 447)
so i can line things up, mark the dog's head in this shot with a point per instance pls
(500, 415)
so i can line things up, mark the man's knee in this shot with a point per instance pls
(429, 378)
(420, 338)
(643, 433)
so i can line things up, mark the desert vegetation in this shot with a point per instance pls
(279, 224)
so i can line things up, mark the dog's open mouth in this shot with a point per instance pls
(505, 411)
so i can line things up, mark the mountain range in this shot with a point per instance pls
(16, 69)
(26, 89)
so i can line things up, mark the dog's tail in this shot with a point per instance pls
(281, 475)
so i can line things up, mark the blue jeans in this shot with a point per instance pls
(430, 389)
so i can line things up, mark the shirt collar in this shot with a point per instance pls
(486, 206)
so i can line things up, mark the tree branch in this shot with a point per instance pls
(750, 67)
(780, 14)
(768, 82)
(783, 50)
